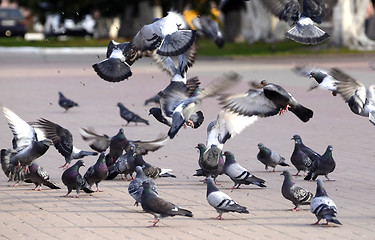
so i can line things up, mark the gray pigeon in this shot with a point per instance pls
(323, 206)
(302, 156)
(66, 103)
(125, 164)
(62, 140)
(221, 201)
(239, 174)
(27, 147)
(270, 158)
(37, 175)
(296, 194)
(73, 180)
(150, 170)
(209, 162)
(304, 30)
(97, 172)
(135, 187)
(130, 116)
(324, 165)
(154, 99)
(208, 28)
(160, 208)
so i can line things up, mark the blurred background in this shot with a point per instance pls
(351, 23)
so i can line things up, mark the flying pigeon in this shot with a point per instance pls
(270, 158)
(304, 30)
(73, 180)
(209, 162)
(269, 100)
(97, 172)
(322, 77)
(62, 140)
(154, 99)
(239, 174)
(324, 165)
(125, 164)
(27, 147)
(130, 116)
(323, 206)
(37, 175)
(135, 187)
(302, 156)
(296, 194)
(160, 208)
(165, 36)
(66, 103)
(361, 101)
(221, 201)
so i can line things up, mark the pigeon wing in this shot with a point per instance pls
(97, 142)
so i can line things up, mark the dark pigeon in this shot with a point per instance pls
(324, 165)
(150, 170)
(39, 176)
(267, 100)
(66, 103)
(73, 180)
(130, 116)
(125, 164)
(270, 158)
(160, 208)
(294, 193)
(97, 172)
(323, 206)
(62, 140)
(302, 156)
(239, 174)
(221, 201)
(303, 20)
(135, 187)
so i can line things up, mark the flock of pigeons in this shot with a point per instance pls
(168, 41)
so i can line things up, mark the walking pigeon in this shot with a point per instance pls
(239, 174)
(304, 30)
(66, 103)
(269, 100)
(27, 147)
(160, 208)
(37, 175)
(323, 206)
(130, 116)
(73, 180)
(296, 194)
(97, 172)
(62, 140)
(221, 201)
(135, 187)
(321, 76)
(302, 156)
(165, 36)
(324, 165)
(361, 101)
(270, 158)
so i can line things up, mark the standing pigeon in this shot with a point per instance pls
(125, 164)
(324, 165)
(66, 103)
(302, 156)
(239, 174)
(296, 194)
(267, 100)
(361, 101)
(26, 144)
(160, 208)
(130, 116)
(209, 166)
(39, 177)
(97, 172)
(62, 140)
(304, 30)
(135, 187)
(323, 206)
(221, 201)
(270, 158)
(73, 180)
(151, 171)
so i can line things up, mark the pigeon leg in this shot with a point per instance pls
(266, 167)
(65, 166)
(69, 191)
(328, 179)
(190, 123)
(297, 174)
(274, 169)
(282, 111)
(295, 209)
(136, 204)
(219, 217)
(316, 223)
(155, 222)
(97, 188)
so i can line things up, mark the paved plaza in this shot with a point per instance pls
(29, 85)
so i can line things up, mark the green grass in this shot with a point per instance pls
(205, 47)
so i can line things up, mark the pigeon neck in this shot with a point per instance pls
(320, 191)
(211, 186)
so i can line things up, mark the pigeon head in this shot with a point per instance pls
(201, 147)
(60, 94)
(120, 105)
(78, 164)
(287, 175)
(139, 171)
(320, 191)
(317, 75)
(229, 157)
(146, 185)
(155, 111)
(47, 142)
(297, 138)
(261, 145)
(211, 187)
(330, 148)
(264, 82)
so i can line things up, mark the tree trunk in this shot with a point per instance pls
(349, 25)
